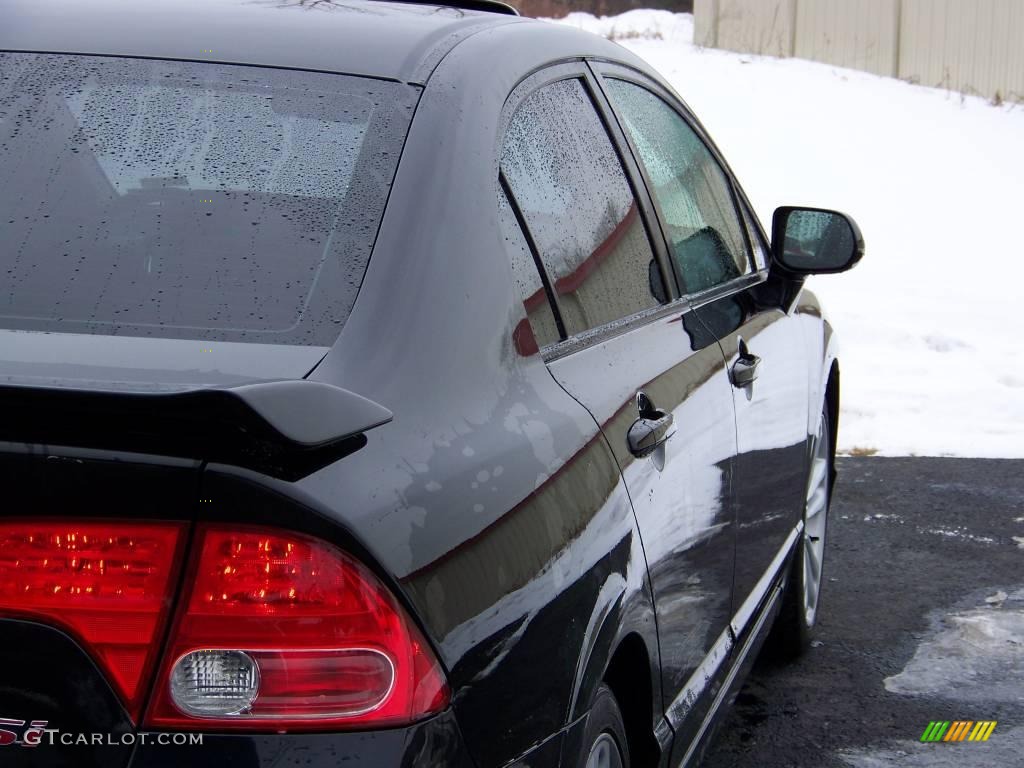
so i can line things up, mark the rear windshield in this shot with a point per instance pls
(189, 200)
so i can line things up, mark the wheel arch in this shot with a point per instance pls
(831, 407)
(628, 674)
(626, 660)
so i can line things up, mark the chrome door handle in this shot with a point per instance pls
(744, 370)
(650, 430)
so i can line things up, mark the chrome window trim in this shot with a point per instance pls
(734, 286)
(602, 333)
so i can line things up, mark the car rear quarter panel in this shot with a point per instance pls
(492, 497)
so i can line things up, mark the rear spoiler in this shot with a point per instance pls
(286, 429)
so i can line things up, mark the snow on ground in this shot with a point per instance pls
(932, 350)
(975, 655)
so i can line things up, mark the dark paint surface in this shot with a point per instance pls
(435, 742)
(771, 428)
(84, 361)
(54, 682)
(493, 503)
(334, 36)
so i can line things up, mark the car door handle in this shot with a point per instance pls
(648, 432)
(744, 370)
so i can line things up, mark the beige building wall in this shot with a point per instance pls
(704, 17)
(860, 34)
(972, 46)
(746, 26)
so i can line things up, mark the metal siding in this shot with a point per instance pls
(705, 13)
(860, 34)
(972, 46)
(762, 26)
(967, 46)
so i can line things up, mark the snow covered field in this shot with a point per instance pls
(929, 322)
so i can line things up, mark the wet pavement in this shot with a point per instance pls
(922, 620)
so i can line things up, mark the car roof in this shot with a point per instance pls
(393, 40)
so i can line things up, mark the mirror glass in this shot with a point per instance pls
(818, 241)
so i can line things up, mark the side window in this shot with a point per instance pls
(540, 328)
(705, 234)
(569, 185)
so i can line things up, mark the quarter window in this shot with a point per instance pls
(705, 236)
(568, 182)
(540, 328)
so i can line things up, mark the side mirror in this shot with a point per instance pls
(808, 241)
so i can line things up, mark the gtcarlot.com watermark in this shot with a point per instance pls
(35, 733)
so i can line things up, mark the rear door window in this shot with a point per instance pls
(190, 200)
(569, 184)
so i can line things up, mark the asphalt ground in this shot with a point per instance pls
(924, 578)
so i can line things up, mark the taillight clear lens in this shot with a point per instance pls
(205, 683)
(106, 583)
(329, 645)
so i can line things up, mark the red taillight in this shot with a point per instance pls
(285, 632)
(107, 583)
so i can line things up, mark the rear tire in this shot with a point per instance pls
(791, 634)
(604, 740)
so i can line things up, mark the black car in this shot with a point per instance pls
(386, 384)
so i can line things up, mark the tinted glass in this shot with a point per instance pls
(569, 184)
(186, 200)
(539, 316)
(704, 232)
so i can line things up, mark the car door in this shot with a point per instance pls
(720, 263)
(633, 353)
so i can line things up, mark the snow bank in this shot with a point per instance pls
(674, 28)
(933, 362)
